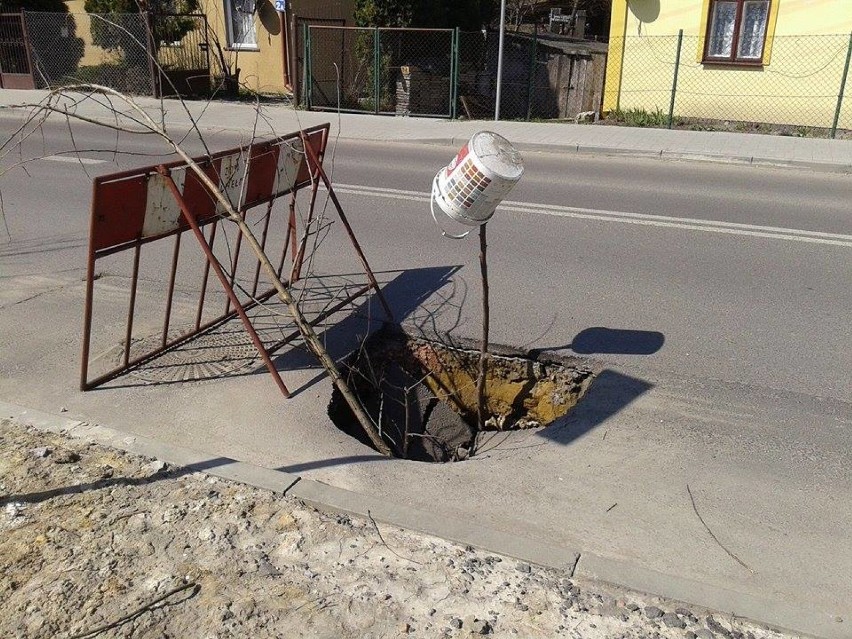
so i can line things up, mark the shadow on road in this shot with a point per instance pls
(610, 393)
(612, 341)
(406, 294)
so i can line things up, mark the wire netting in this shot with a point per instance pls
(391, 71)
(545, 76)
(340, 68)
(796, 85)
(122, 51)
(183, 53)
(13, 52)
(415, 71)
(111, 50)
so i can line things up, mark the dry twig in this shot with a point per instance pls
(379, 533)
(138, 612)
(715, 538)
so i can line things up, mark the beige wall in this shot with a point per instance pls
(92, 54)
(797, 84)
(260, 69)
(795, 17)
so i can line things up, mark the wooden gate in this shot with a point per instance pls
(15, 62)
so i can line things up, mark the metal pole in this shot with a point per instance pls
(842, 89)
(531, 73)
(377, 56)
(454, 87)
(307, 62)
(500, 60)
(285, 49)
(674, 81)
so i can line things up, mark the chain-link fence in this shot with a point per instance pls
(545, 76)
(447, 73)
(389, 71)
(801, 83)
(111, 50)
(120, 50)
(182, 44)
(15, 63)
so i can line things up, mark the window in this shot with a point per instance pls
(736, 31)
(239, 15)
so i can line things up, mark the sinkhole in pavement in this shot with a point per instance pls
(422, 394)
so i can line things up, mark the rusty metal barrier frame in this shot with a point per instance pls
(133, 208)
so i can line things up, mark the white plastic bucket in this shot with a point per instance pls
(470, 187)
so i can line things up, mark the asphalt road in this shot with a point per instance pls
(724, 288)
(743, 270)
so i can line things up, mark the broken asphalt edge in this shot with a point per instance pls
(773, 613)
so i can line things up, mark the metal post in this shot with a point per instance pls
(674, 80)
(454, 75)
(500, 60)
(376, 63)
(842, 89)
(531, 74)
(285, 48)
(307, 63)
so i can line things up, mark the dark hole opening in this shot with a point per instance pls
(421, 394)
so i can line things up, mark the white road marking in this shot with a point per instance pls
(73, 159)
(710, 226)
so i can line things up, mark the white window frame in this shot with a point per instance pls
(230, 10)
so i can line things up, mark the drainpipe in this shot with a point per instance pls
(285, 49)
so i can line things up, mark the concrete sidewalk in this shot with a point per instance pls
(743, 148)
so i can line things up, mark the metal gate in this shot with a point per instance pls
(15, 63)
(301, 29)
(182, 45)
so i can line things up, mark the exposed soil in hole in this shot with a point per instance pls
(422, 393)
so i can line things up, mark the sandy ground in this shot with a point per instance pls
(98, 543)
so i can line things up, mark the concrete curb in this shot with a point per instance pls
(773, 613)
(579, 147)
(661, 154)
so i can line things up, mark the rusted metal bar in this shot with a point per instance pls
(175, 343)
(235, 260)
(299, 256)
(172, 276)
(262, 246)
(205, 277)
(134, 282)
(90, 290)
(217, 269)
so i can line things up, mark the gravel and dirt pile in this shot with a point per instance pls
(98, 543)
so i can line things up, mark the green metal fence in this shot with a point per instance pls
(381, 70)
(448, 73)
(800, 87)
(802, 83)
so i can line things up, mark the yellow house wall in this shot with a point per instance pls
(92, 53)
(261, 69)
(798, 84)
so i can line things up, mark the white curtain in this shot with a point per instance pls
(755, 14)
(242, 22)
(722, 29)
